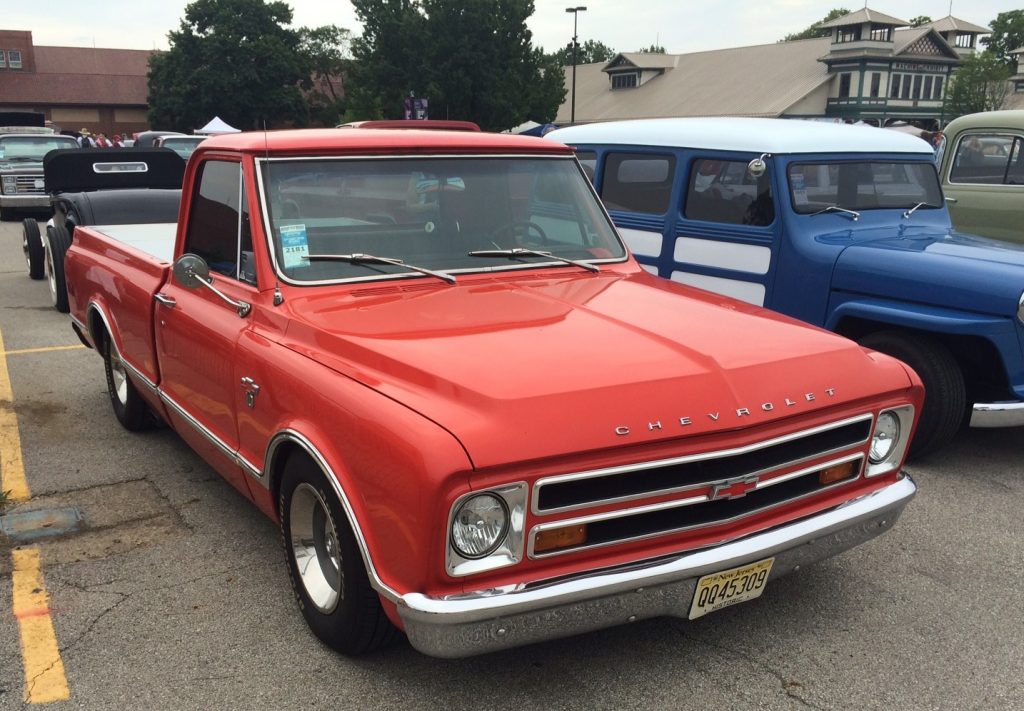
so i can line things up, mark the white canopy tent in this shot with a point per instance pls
(216, 127)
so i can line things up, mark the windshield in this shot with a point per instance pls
(32, 148)
(184, 147)
(431, 213)
(863, 186)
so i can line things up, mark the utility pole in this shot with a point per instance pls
(575, 15)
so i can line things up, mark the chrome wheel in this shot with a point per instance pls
(51, 278)
(117, 374)
(315, 546)
(24, 248)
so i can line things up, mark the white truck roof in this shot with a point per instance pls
(747, 135)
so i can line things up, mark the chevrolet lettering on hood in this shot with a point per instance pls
(687, 420)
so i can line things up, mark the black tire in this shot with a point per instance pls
(129, 407)
(58, 242)
(333, 590)
(32, 246)
(945, 397)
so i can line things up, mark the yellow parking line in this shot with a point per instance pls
(44, 669)
(12, 469)
(23, 351)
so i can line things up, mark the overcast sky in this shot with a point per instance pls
(678, 25)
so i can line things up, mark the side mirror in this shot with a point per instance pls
(190, 269)
(192, 272)
(758, 167)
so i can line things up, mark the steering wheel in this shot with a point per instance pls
(520, 231)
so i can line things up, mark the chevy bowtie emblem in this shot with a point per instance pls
(733, 489)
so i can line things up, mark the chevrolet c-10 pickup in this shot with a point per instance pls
(428, 356)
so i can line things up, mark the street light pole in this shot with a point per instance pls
(575, 15)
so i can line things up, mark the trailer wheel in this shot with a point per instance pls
(58, 241)
(32, 246)
(945, 397)
(325, 564)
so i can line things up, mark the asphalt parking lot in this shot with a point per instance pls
(172, 592)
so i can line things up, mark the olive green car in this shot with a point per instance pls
(981, 163)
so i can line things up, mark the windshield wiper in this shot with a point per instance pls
(517, 252)
(911, 211)
(359, 258)
(835, 208)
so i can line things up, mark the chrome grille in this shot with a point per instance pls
(26, 185)
(603, 486)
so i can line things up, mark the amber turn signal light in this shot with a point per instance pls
(838, 472)
(555, 538)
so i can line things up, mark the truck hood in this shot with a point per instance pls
(544, 365)
(931, 266)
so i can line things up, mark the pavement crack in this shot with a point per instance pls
(788, 686)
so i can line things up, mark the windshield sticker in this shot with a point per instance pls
(294, 246)
(799, 189)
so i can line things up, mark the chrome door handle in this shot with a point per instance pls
(165, 300)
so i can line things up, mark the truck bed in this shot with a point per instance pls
(117, 269)
(156, 240)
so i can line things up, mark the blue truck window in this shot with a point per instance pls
(639, 182)
(724, 191)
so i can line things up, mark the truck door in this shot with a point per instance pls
(197, 331)
(724, 239)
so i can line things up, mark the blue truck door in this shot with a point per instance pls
(724, 236)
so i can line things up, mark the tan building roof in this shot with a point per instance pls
(865, 15)
(763, 80)
(80, 76)
(950, 23)
(647, 60)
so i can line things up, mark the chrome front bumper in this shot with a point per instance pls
(491, 620)
(24, 202)
(997, 414)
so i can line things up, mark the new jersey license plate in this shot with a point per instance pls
(728, 587)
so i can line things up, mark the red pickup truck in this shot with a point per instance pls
(430, 358)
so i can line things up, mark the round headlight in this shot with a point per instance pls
(479, 526)
(885, 437)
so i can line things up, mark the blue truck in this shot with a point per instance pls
(845, 227)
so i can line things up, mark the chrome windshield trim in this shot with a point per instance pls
(268, 232)
(290, 435)
(688, 502)
(703, 456)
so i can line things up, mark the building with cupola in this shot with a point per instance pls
(871, 67)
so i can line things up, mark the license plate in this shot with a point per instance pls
(729, 587)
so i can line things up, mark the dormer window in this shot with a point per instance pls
(848, 34)
(3, 59)
(964, 40)
(14, 58)
(881, 33)
(627, 80)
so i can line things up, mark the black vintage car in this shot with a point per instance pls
(99, 186)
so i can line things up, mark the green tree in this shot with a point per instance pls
(230, 58)
(978, 85)
(816, 30)
(327, 51)
(473, 59)
(919, 20)
(1007, 35)
(653, 49)
(589, 52)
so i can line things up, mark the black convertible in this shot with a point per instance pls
(99, 186)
